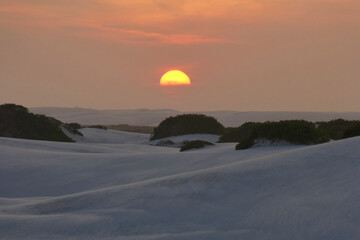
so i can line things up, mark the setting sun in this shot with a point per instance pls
(174, 78)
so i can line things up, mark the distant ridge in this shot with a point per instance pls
(152, 117)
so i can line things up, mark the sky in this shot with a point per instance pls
(244, 55)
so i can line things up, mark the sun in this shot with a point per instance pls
(174, 78)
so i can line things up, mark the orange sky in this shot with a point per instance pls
(297, 55)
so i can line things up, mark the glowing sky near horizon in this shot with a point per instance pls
(297, 55)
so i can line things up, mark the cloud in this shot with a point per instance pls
(178, 22)
(129, 35)
(138, 28)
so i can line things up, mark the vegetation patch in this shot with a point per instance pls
(98, 127)
(187, 145)
(187, 124)
(291, 131)
(245, 143)
(73, 128)
(237, 134)
(17, 122)
(352, 131)
(339, 128)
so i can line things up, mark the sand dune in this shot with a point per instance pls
(136, 191)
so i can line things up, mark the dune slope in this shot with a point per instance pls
(136, 191)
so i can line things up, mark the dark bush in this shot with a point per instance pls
(245, 143)
(98, 126)
(73, 128)
(352, 131)
(187, 124)
(187, 145)
(238, 134)
(292, 131)
(17, 122)
(335, 129)
(13, 107)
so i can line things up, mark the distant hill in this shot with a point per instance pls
(146, 117)
(17, 122)
(139, 117)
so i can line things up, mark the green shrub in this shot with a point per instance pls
(335, 129)
(187, 145)
(73, 128)
(98, 126)
(17, 122)
(292, 131)
(352, 131)
(238, 134)
(13, 108)
(187, 124)
(245, 143)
